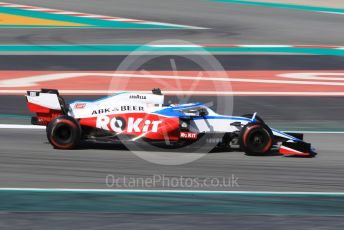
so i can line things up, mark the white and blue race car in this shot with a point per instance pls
(137, 117)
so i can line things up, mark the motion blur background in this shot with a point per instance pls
(290, 53)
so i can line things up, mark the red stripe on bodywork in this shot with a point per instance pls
(168, 129)
(34, 108)
(44, 114)
(288, 151)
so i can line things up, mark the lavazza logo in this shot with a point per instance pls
(137, 97)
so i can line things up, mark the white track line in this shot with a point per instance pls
(176, 46)
(12, 126)
(168, 191)
(265, 46)
(315, 132)
(208, 45)
(330, 12)
(35, 80)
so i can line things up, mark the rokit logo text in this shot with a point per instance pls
(138, 125)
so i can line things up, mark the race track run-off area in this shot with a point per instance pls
(254, 83)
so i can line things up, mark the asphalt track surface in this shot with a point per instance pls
(104, 221)
(32, 162)
(162, 62)
(229, 23)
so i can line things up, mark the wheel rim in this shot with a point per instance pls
(63, 134)
(258, 140)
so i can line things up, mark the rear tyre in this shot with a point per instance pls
(256, 139)
(64, 132)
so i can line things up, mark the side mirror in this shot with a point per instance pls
(203, 112)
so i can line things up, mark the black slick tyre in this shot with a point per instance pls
(256, 139)
(64, 132)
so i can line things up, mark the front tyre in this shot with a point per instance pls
(256, 139)
(64, 132)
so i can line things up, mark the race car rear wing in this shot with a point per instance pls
(47, 104)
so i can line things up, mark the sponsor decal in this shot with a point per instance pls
(123, 108)
(101, 111)
(79, 105)
(132, 108)
(133, 125)
(188, 135)
(137, 97)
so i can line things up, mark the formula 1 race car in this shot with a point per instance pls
(137, 117)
